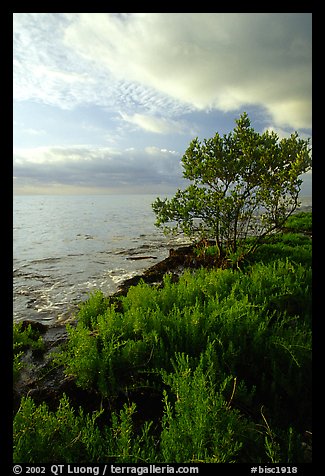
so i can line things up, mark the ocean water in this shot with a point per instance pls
(65, 247)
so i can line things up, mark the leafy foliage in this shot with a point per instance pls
(243, 184)
(24, 338)
(201, 426)
(301, 221)
(27, 337)
(50, 436)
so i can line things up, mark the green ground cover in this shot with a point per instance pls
(215, 367)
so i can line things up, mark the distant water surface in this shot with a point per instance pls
(68, 246)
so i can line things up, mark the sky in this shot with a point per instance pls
(109, 102)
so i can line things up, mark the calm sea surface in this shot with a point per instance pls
(65, 247)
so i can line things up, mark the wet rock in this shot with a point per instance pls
(35, 326)
(175, 264)
(134, 258)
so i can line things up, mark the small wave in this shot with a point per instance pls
(135, 251)
(85, 236)
(46, 260)
(118, 276)
(31, 276)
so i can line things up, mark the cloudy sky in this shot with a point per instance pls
(109, 102)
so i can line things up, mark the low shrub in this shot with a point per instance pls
(259, 321)
(228, 352)
(44, 436)
(199, 424)
(301, 221)
(24, 338)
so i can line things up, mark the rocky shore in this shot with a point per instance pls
(44, 382)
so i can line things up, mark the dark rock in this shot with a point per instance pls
(175, 264)
(35, 326)
(134, 258)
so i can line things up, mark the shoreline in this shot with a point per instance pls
(49, 387)
(177, 260)
(175, 263)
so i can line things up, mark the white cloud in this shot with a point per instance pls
(285, 133)
(208, 60)
(167, 63)
(158, 125)
(293, 112)
(153, 150)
